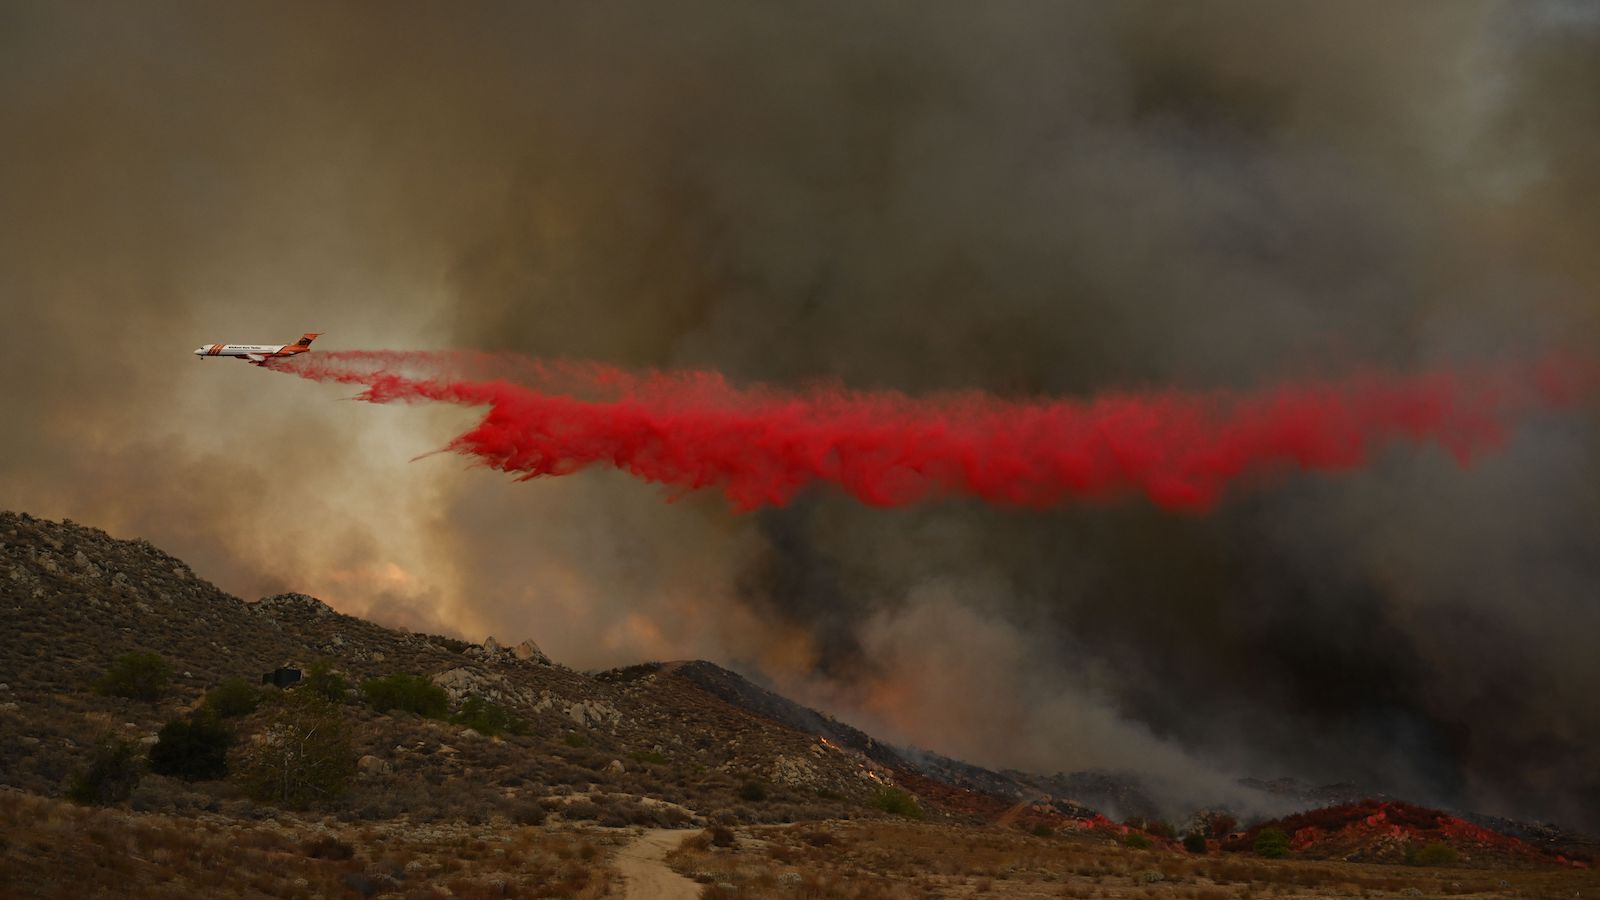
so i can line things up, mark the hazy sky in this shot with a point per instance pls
(1030, 198)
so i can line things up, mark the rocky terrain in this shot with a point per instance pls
(434, 806)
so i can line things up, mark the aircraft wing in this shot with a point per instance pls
(256, 358)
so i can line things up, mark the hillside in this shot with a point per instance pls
(75, 600)
(654, 745)
(688, 733)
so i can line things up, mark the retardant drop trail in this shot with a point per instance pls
(761, 446)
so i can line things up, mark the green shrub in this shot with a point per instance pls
(1041, 830)
(1137, 841)
(648, 756)
(753, 792)
(112, 775)
(408, 693)
(140, 675)
(323, 681)
(896, 802)
(1272, 843)
(233, 697)
(489, 718)
(1435, 854)
(1194, 842)
(301, 757)
(194, 749)
(575, 739)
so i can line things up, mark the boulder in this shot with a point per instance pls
(490, 645)
(371, 765)
(462, 682)
(615, 767)
(528, 650)
(593, 712)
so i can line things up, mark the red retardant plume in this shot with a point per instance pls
(761, 446)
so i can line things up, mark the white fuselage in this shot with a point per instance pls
(239, 349)
(258, 354)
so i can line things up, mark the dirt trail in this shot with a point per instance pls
(644, 871)
(1010, 815)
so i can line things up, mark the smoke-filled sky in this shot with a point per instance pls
(1032, 199)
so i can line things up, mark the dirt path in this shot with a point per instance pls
(1010, 815)
(644, 871)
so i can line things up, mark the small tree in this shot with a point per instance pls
(1194, 842)
(140, 675)
(323, 680)
(112, 775)
(1272, 843)
(233, 697)
(1160, 828)
(896, 802)
(410, 693)
(1217, 824)
(488, 718)
(194, 749)
(301, 756)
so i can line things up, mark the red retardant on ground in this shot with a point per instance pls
(761, 446)
(1384, 830)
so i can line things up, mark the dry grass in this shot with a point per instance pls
(891, 860)
(52, 849)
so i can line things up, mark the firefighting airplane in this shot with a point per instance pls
(258, 354)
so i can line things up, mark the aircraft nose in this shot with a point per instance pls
(200, 352)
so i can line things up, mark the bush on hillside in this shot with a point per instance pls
(302, 756)
(488, 718)
(1435, 854)
(1194, 842)
(1137, 841)
(232, 698)
(140, 675)
(896, 802)
(1272, 843)
(323, 681)
(193, 749)
(112, 775)
(409, 693)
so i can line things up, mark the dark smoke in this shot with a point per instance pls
(1025, 199)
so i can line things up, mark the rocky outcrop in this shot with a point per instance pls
(295, 603)
(528, 651)
(593, 712)
(370, 766)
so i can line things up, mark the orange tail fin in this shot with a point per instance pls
(307, 338)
